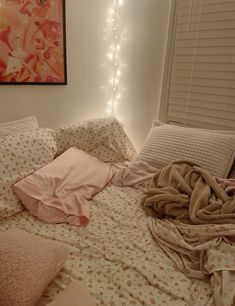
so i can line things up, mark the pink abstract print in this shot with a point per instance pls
(32, 43)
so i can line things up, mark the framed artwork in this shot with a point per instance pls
(32, 42)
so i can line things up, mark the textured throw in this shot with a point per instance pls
(187, 192)
(202, 249)
(227, 184)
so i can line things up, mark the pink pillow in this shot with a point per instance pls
(76, 294)
(28, 263)
(62, 190)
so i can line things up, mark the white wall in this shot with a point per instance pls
(146, 23)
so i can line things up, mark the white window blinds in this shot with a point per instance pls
(200, 89)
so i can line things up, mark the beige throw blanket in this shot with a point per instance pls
(187, 193)
(227, 184)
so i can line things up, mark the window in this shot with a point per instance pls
(199, 80)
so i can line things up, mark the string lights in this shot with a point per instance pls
(114, 56)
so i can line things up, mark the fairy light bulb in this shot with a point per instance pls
(110, 56)
(117, 81)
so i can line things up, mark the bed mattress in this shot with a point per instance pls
(116, 257)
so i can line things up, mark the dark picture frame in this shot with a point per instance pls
(33, 42)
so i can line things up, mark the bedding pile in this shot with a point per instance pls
(188, 193)
(122, 256)
(191, 217)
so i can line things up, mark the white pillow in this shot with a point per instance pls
(20, 155)
(213, 150)
(28, 124)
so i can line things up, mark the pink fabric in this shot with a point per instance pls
(137, 174)
(227, 184)
(28, 263)
(61, 191)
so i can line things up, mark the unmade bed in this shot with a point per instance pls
(117, 256)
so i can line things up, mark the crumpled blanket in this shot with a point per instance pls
(227, 184)
(186, 192)
(183, 193)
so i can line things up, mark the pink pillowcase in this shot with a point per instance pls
(61, 191)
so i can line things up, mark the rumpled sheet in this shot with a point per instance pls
(116, 257)
(201, 251)
(186, 192)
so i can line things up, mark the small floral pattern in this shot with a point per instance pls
(24, 152)
(116, 257)
(21, 125)
(21, 154)
(104, 138)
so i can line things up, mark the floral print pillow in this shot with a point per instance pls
(21, 125)
(20, 155)
(104, 138)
